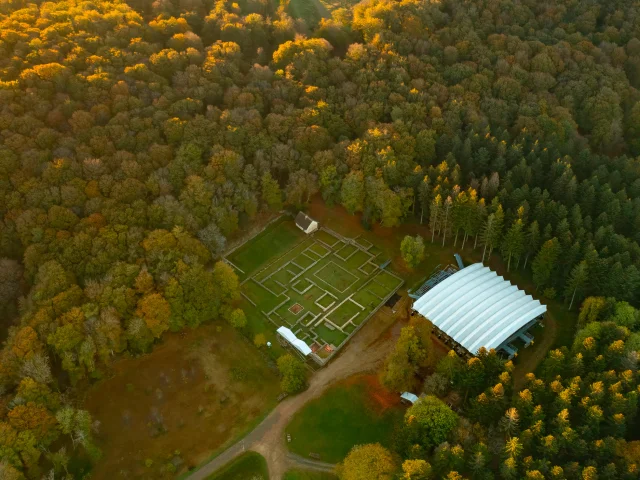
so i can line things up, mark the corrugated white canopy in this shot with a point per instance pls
(295, 341)
(409, 397)
(478, 308)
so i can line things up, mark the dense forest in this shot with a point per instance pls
(567, 422)
(136, 139)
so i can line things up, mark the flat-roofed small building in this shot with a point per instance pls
(475, 307)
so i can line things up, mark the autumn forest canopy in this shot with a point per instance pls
(138, 139)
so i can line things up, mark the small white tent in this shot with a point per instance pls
(290, 337)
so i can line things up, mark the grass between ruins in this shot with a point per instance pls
(322, 286)
(194, 394)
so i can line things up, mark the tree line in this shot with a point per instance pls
(575, 418)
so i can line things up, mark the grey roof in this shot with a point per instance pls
(478, 308)
(303, 220)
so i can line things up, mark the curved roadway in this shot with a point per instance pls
(365, 352)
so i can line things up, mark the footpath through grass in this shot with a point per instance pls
(247, 466)
(351, 413)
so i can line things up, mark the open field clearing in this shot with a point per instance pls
(180, 403)
(353, 412)
(249, 466)
(321, 286)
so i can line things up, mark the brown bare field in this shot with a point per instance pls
(192, 395)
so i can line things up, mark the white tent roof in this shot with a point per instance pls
(478, 308)
(410, 397)
(295, 341)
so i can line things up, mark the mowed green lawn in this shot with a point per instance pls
(346, 415)
(308, 475)
(283, 267)
(246, 467)
(336, 277)
(274, 241)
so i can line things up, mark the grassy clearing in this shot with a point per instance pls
(273, 286)
(308, 475)
(366, 244)
(302, 284)
(293, 268)
(368, 268)
(354, 412)
(365, 298)
(313, 294)
(279, 259)
(388, 280)
(283, 276)
(567, 324)
(303, 260)
(332, 337)
(346, 251)
(344, 312)
(192, 394)
(359, 318)
(247, 466)
(280, 237)
(260, 296)
(358, 259)
(380, 290)
(326, 237)
(326, 301)
(287, 315)
(318, 249)
(257, 323)
(320, 267)
(336, 277)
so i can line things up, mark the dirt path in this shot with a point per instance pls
(530, 363)
(366, 351)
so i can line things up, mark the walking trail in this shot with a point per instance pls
(365, 352)
(531, 362)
